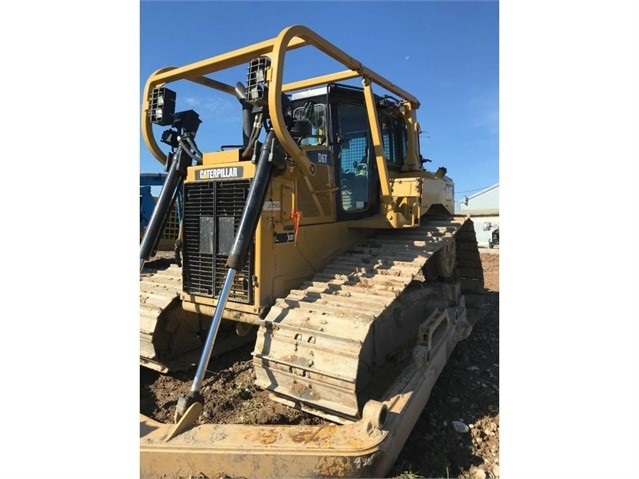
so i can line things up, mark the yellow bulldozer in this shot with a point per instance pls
(325, 240)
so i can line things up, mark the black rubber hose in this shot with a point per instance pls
(247, 122)
(174, 179)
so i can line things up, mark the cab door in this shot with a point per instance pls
(357, 178)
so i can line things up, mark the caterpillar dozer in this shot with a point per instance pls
(325, 240)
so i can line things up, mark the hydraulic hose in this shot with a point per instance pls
(189, 145)
(174, 178)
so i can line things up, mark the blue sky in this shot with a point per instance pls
(444, 53)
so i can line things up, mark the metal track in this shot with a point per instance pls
(321, 346)
(170, 336)
(159, 289)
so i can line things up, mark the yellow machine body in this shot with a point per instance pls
(358, 284)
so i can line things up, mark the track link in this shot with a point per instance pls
(323, 343)
(171, 337)
(159, 290)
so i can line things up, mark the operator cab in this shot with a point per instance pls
(340, 136)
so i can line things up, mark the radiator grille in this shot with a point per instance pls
(212, 213)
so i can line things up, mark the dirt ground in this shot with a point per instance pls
(467, 392)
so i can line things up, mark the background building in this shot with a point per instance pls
(483, 208)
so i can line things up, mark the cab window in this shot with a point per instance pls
(394, 140)
(317, 118)
(354, 157)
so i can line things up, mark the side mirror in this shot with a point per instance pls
(301, 129)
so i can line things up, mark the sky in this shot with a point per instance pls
(567, 164)
(444, 53)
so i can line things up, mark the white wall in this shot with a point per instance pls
(486, 199)
(483, 208)
(484, 226)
